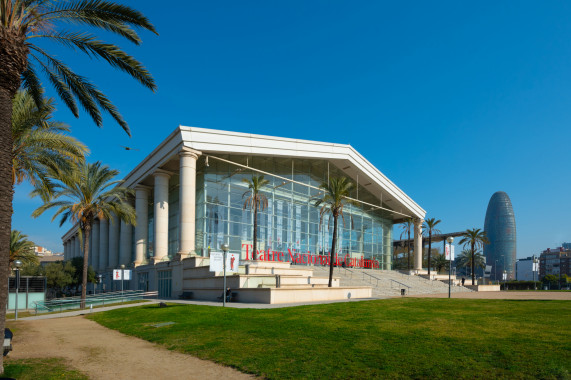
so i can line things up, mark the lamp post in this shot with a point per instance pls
(122, 277)
(225, 249)
(17, 265)
(99, 276)
(450, 240)
(505, 277)
(496, 270)
(533, 270)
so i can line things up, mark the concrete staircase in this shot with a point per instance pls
(265, 282)
(388, 283)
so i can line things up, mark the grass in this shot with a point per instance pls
(396, 338)
(40, 369)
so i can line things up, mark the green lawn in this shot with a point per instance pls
(40, 369)
(396, 338)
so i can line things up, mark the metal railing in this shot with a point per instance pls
(400, 283)
(102, 299)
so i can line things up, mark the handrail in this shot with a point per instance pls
(370, 275)
(400, 283)
(99, 299)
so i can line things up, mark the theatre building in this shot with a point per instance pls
(190, 195)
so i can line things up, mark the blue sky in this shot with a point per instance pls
(453, 101)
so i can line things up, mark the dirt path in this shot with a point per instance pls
(102, 353)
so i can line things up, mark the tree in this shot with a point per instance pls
(406, 230)
(256, 201)
(21, 248)
(40, 144)
(475, 239)
(440, 262)
(430, 228)
(24, 23)
(86, 193)
(332, 202)
(464, 260)
(59, 275)
(77, 263)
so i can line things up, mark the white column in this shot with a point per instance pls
(103, 244)
(187, 201)
(71, 247)
(77, 248)
(95, 245)
(418, 244)
(90, 258)
(65, 250)
(126, 241)
(114, 226)
(142, 227)
(161, 214)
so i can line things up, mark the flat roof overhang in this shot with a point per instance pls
(212, 142)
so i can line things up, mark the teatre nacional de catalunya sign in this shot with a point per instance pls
(309, 258)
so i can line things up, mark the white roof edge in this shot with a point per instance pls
(248, 143)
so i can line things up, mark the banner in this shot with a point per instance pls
(216, 261)
(450, 256)
(232, 262)
(117, 274)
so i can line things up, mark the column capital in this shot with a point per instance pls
(188, 152)
(140, 187)
(418, 221)
(162, 173)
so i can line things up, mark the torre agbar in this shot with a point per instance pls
(189, 200)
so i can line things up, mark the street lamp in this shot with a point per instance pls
(225, 249)
(99, 276)
(122, 276)
(18, 265)
(533, 270)
(505, 277)
(450, 240)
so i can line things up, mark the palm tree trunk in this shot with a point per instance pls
(472, 262)
(255, 245)
(333, 244)
(429, 249)
(86, 235)
(6, 194)
(13, 62)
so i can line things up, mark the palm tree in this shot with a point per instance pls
(465, 259)
(256, 201)
(332, 202)
(39, 144)
(475, 238)
(406, 230)
(440, 262)
(21, 248)
(22, 23)
(84, 194)
(430, 228)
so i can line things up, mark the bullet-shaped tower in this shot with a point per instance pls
(500, 229)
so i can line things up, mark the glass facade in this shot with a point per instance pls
(289, 229)
(501, 232)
